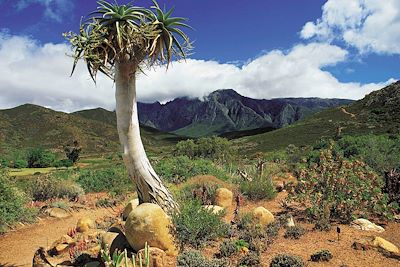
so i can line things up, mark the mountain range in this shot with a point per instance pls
(226, 111)
(377, 113)
(301, 121)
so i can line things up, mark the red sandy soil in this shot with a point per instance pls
(17, 247)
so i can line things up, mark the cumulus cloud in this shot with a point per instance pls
(368, 25)
(39, 73)
(53, 9)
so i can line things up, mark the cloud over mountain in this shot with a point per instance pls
(39, 73)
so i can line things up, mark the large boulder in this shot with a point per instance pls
(263, 216)
(129, 207)
(149, 223)
(223, 197)
(364, 224)
(157, 256)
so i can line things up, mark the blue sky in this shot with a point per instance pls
(257, 41)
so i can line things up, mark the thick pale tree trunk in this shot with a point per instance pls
(149, 186)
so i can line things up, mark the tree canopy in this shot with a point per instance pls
(116, 33)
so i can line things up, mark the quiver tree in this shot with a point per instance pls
(120, 41)
(73, 152)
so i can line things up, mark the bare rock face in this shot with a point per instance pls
(149, 223)
(263, 216)
(129, 207)
(223, 197)
(366, 225)
(157, 257)
(84, 225)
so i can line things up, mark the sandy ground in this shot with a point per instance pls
(18, 247)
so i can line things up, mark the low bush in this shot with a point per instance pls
(194, 225)
(13, 203)
(286, 260)
(63, 163)
(250, 259)
(179, 169)
(294, 232)
(227, 248)
(252, 233)
(213, 148)
(46, 187)
(205, 193)
(322, 255)
(114, 180)
(40, 158)
(193, 258)
(259, 188)
(340, 189)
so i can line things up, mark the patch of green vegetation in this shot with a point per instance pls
(332, 187)
(195, 225)
(13, 203)
(114, 180)
(194, 258)
(179, 169)
(285, 260)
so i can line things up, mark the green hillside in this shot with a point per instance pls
(33, 126)
(378, 112)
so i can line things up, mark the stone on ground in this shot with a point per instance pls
(149, 223)
(58, 213)
(157, 257)
(364, 224)
(129, 207)
(215, 209)
(84, 225)
(263, 216)
(114, 241)
(385, 245)
(223, 197)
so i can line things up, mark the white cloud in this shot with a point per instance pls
(36, 73)
(368, 25)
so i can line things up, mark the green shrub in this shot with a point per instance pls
(241, 244)
(286, 260)
(193, 258)
(250, 259)
(113, 180)
(179, 169)
(294, 232)
(40, 158)
(340, 189)
(322, 255)
(252, 233)
(47, 187)
(261, 187)
(63, 163)
(19, 164)
(213, 148)
(194, 225)
(227, 248)
(13, 203)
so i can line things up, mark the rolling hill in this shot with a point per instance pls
(377, 113)
(32, 126)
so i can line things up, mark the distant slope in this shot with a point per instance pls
(378, 112)
(227, 111)
(31, 126)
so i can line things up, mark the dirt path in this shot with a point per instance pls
(17, 248)
(348, 113)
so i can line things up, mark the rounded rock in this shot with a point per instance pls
(223, 197)
(263, 216)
